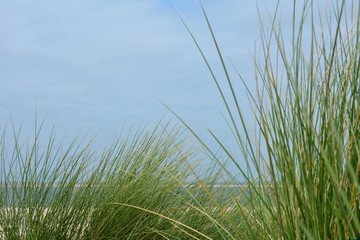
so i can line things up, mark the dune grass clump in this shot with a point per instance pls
(302, 162)
(135, 188)
(303, 174)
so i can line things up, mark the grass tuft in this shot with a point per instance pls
(303, 173)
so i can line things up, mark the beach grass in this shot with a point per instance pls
(302, 174)
(128, 190)
(303, 167)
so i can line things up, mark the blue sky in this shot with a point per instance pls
(96, 64)
(91, 64)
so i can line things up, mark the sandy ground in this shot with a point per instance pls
(6, 214)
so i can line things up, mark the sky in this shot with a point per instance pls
(97, 65)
